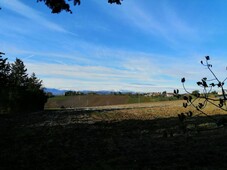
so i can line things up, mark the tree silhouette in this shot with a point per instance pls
(4, 82)
(4, 71)
(58, 6)
(19, 92)
(18, 73)
(34, 83)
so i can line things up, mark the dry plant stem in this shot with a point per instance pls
(204, 96)
(202, 112)
(222, 88)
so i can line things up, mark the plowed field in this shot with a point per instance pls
(136, 136)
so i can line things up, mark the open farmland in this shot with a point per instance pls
(85, 101)
(119, 109)
(100, 100)
(132, 136)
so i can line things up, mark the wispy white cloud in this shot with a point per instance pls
(113, 69)
(159, 20)
(35, 55)
(79, 64)
(132, 75)
(27, 12)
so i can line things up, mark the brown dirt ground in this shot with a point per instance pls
(87, 101)
(139, 136)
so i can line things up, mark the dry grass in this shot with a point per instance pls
(148, 111)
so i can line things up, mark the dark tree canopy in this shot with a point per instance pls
(18, 73)
(19, 92)
(62, 5)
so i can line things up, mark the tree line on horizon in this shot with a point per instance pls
(20, 92)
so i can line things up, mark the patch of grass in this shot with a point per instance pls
(208, 125)
(146, 99)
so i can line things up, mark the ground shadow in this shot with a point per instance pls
(27, 143)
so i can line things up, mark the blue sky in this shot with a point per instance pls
(141, 45)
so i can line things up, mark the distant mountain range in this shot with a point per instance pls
(62, 92)
(55, 91)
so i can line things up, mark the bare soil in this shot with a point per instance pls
(86, 101)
